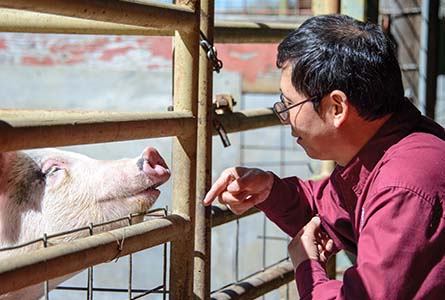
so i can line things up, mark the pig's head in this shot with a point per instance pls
(49, 191)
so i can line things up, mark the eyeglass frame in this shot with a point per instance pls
(281, 102)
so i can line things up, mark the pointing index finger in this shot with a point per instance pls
(217, 188)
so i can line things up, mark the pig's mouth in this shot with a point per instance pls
(152, 189)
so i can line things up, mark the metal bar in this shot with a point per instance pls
(113, 290)
(252, 32)
(372, 11)
(258, 284)
(22, 129)
(185, 95)
(432, 57)
(222, 215)
(202, 259)
(44, 264)
(248, 119)
(90, 272)
(139, 13)
(12, 20)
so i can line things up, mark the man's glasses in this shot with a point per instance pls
(282, 111)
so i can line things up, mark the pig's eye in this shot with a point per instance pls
(51, 170)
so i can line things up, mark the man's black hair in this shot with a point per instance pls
(332, 52)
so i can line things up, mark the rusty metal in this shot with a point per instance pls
(251, 32)
(222, 215)
(12, 20)
(44, 264)
(223, 103)
(22, 129)
(257, 284)
(139, 13)
(185, 94)
(248, 119)
(203, 230)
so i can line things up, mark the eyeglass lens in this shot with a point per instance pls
(280, 110)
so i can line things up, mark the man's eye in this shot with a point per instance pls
(52, 170)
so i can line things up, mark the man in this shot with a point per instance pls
(342, 95)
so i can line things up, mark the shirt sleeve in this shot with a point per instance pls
(400, 244)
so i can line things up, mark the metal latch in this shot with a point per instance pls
(223, 103)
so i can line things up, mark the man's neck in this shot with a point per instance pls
(356, 134)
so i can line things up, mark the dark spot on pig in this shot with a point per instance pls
(140, 164)
(24, 179)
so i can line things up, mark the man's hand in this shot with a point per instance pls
(310, 243)
(240, 188)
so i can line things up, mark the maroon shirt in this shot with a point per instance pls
(386, 206)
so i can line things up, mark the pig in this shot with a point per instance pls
(50, 191)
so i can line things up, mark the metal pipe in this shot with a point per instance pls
(429, 55)
(248, 119)
(202, 259)
(24, 129)
(185, 94)
(48, 263)
(252, 32)
(139, 13)
(258, 284)
(221, 214)
(12, 20)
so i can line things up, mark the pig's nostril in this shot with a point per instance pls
(152, 156)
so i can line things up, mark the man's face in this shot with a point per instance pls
(310, 128)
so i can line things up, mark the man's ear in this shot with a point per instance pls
(339, 107)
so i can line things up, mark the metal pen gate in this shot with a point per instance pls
(188, 228)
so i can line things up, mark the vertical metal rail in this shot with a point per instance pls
(429, 57)
(90, 271)
(185, 94)
(203, 225)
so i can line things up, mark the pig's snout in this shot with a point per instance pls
(152, 164)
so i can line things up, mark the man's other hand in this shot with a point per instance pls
(311, 242)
